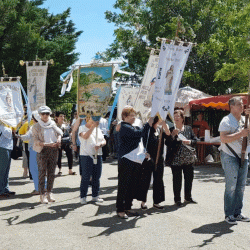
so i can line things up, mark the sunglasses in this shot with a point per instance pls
(45, 114)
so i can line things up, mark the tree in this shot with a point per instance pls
(218, 28)
(27, 31)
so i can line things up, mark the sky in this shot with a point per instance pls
(88, 16)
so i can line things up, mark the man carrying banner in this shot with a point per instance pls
(6, 146)
(231, 133)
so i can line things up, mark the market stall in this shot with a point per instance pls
(213, 108)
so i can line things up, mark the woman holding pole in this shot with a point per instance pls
(92, 141)
(151, 141)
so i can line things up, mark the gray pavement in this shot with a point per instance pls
(66, 224)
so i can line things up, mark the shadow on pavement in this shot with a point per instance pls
(216, 229)
(21, 205)
(59, 212)
(113, 224)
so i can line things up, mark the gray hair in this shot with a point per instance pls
(234, 100)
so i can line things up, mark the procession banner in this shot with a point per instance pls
(143, 102)
(11, 104)
(36, 84)
(127, 97)
(94, 90)
(172, 62)
(114, 105)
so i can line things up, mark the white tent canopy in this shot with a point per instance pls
(187, 94)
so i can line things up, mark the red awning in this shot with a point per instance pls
(217, 102)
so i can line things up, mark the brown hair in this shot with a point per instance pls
(181, 113)
(127, 111)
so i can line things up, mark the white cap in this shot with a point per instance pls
(44, 109)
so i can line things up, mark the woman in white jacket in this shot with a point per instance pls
(92, 141)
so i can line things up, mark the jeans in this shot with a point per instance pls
(235, 178)
(5, 160)
(89, 169)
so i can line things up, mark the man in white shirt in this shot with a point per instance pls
(231, 133)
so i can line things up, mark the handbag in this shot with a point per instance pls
(186, 155)
(17, 151)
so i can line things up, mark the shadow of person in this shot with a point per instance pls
(59, 212)
(21, 205)
(216, 229)
(113, 224)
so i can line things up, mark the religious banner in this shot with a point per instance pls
(143, 103)
(36, 83)
(94, 90)
(127, 97)
(172, 61)
(11, 104)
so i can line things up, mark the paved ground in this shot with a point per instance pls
(66, 224)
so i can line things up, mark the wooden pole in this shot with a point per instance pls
(159, 149)
(244, 143)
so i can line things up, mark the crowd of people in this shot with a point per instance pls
(142, 152)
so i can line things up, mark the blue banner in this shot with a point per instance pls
(114, 105)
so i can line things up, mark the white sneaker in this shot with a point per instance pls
(97, 199)
(242, 217)
(43, 199)
(50, 197)
(83, 200)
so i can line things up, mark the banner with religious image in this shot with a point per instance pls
(172, 62)
(127, 97)
(143, 103)
(11, 104)
(94, 90)
(36, 83)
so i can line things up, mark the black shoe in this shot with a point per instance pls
(179, 204)
(10, 193)
(131, 213)
(158, 206)
(191, 201)
(144, 207)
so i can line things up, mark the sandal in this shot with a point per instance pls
(59, 173)
(73, 173)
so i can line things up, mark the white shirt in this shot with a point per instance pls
(231, 125)
(87, 147)
(50, 135)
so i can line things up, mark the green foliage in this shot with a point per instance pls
(220, 28)
(27, 31)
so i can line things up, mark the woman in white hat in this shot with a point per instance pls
(47, 139)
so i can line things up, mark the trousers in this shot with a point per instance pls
(188, 171)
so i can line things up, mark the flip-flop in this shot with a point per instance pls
(73, 173)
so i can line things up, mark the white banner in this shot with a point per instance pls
(11, 104)
(127, 96)
(36, 85)
(172, 62)
(143, 103)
